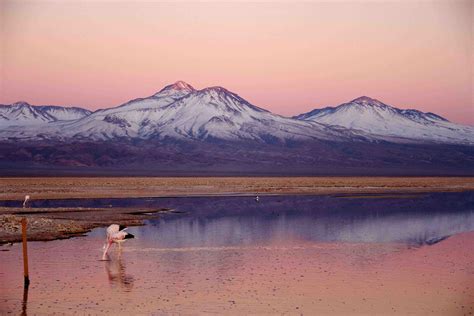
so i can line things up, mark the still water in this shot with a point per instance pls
(284, 254)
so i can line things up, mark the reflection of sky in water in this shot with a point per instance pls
(233, 255)
(236, 221)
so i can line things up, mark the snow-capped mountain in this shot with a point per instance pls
(179, 111)
(22, 113)
(383, 121)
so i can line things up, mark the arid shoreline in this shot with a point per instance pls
(60, 223)
(76, 187)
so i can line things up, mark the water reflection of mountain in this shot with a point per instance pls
(425, 219)
(414, 219)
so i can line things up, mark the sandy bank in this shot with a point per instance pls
(62, 188)
(60, 223)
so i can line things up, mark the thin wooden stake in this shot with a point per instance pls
(25, 253)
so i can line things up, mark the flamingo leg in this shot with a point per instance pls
(104, 256)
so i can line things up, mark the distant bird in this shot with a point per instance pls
(115, 234)
(25, 203)
(257, 199)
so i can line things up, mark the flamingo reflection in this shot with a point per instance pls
(117, 274)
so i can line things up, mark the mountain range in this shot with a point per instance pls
(208, 127)
(178, 111)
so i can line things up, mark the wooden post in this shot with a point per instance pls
(25, 253)
(24, 303)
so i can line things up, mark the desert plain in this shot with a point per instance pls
(119, 187)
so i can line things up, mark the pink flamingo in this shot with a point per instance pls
(25, 203)
(115, 234)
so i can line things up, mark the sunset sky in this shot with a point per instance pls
(286, 57)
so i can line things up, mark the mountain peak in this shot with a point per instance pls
(175, 90)
(21, 103)
(224, 94)
(365, 99)
(180, 86)
(217, 89)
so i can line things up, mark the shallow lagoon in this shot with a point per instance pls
(285, 254)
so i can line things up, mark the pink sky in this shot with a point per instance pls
(286, 57)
